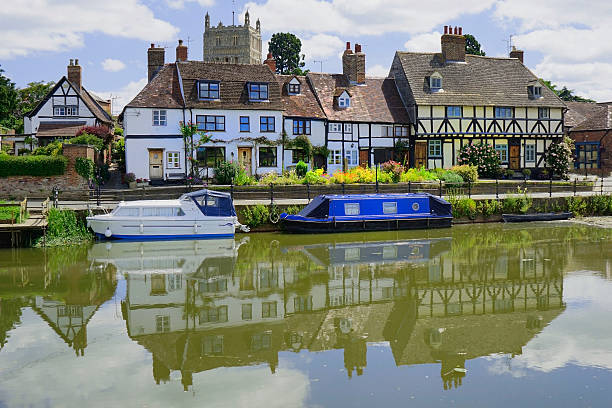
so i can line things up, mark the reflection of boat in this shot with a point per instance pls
(370, 212)
(201, 214)
(537, 217)
(377, 252)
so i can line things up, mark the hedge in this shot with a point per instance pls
(32, 165)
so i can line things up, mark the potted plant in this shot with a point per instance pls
(526, 173)
(509, 173)
(130, 178)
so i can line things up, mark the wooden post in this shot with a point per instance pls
(575, 186)
(271, 194)
(496, 187)
(550, 187)
(440, 188)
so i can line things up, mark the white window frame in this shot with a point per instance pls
(335, 157)
(173, 160)
(351, 209)
(502, 151)
(387, 131)
(452, 110)
(389, 207)
(352, 157)
(160, 117)
(334, 127)
(503, 112)
(434, 146)
(344, 102)
(400, 131)
(435, 83)
(207, 84)
(348, 128)
(544, 110)
(530, 153)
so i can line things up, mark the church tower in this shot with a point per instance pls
(233, 44)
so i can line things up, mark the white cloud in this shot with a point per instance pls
(574, 45)
(361, 17)
(123, 96)
(321, 46)
(112, 65)
(377, 71)
(179, 4)
(427, 42)
(42, 25)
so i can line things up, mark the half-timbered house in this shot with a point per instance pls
(65, 109)
(455, 99)
(365, 116)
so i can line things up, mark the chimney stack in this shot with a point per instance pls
(453, 45)
(271, 62)
(156, 59)
(75, 74)
(516, 54)
(353, 64)
(181, 52)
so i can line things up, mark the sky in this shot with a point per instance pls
(565, 41)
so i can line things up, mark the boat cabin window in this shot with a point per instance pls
(162, 212)
(351, 208)
(127, 212)
(390, 207)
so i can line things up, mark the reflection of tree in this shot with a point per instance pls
(10, 316)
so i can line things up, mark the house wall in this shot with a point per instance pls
(456, 132)
(604, 137)
(141, 136)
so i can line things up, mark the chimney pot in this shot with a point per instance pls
(71, 62)
(460, 30)
(348, 45)
(152, 45)
(453, 46)
(76, 61)
(180, 42)
(456, 32)
(445, 29)
(357, 48)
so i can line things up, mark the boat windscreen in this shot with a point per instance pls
(318, 208)
(213, 205)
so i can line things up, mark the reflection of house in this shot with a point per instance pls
(232, 311)
(65, 297)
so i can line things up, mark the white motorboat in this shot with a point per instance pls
(200, 214)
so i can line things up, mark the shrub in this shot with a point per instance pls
(468, 173)
(419, 175)
(273, 178)
(52, 149)
(509, 173)
(32, 165)
(346, 178)
(576, 205)
(488, 207)
(301, 168)
(293, 209)
(23, 151)
(255, 215)
(526, 173)
(130, 177)
(316, 177)
(243, 179)
(101, 132)
(394, 168)
(559, 157)
(12, 213)
(88, 139)
(483, 156)
(84, 167)
(451, 179)
(463, 207)
(517, 204)
(225, 172)
(64, 224)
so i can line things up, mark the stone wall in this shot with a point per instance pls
(70, 184)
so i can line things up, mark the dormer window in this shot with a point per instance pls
(208, 90)
(344, 100)
(435, 82)
(293, 87)
(535, 92)
(258, 92)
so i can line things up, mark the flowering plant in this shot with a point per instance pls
(483, 156)
(558, 157)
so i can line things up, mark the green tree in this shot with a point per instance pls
(564, 93)
(472, 46)
(28, 98)
(286, 48)
(8, 102)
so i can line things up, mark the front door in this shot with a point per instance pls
(420, 154)
(514, 161)
(244, 159)
(156, 164)
(364, 155)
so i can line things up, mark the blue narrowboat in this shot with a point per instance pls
(370, 212)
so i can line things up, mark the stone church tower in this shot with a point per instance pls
(235, 44)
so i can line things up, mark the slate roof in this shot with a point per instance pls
(59, 129)
(598, 119)
(589, 116)
(233, 89)
(162, 92)
(480, 81)
(303, 105)
(375, 101)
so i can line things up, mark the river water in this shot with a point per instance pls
(473, 316)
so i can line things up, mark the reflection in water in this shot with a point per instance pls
(444, 298)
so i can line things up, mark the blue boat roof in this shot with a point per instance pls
(372, 196)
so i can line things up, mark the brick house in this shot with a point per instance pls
(589, 125)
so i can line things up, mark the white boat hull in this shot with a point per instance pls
(166, 228)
